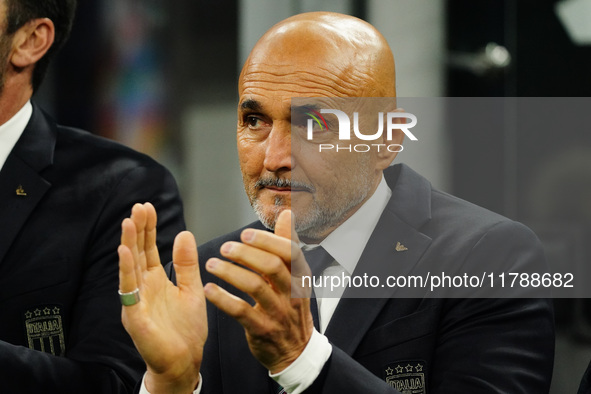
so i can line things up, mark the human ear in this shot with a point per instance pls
(391, 147)
(31, 42)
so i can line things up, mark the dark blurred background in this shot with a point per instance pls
(161, 77)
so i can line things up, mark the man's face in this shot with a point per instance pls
(281, 169)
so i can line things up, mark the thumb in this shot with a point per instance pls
(285, 225)
(298, 267)
(186, 262)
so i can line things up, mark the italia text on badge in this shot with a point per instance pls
(45, 330)
(408, 377)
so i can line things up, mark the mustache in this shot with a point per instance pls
(284, 183)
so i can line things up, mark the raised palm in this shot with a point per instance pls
(169, 324)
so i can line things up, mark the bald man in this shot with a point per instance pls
(252, 336)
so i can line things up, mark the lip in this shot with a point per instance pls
(280, 190)
(284, 190)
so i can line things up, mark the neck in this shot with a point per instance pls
(14, 95)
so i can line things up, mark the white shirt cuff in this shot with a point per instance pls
(305, 369)
(144, 390)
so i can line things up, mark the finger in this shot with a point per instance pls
(139, 217)
(233, 306)
(283, 225)
(127, 276)
(152, 255)
(298, 267)
(186, 262)
(267, 264)
(129, 240)
(128, 233)
(272, 243)
(247, 281)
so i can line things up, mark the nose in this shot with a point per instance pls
(278, 150)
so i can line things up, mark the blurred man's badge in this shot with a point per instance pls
(408, 377)
(45, 330)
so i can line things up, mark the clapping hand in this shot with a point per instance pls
(169, 323)
(279, 326)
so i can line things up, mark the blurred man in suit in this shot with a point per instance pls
(63, 193)
(360, 212)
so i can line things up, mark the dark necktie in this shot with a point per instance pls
(318, 259)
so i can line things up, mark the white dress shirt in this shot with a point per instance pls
(12, 130)
(345, 244)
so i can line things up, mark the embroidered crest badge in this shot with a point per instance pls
(408, 376)
(45, 330)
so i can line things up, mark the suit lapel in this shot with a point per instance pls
(355, 312)
(32, 153)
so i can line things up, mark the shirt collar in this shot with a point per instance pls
(12, 130)
(347, 242)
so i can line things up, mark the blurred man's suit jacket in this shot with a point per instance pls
(63, 195)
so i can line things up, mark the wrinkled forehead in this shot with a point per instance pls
(306, 79)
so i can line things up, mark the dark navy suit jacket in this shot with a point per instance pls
(585, 386)
(60, 316)
(414, 345)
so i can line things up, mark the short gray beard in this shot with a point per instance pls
(317, 221)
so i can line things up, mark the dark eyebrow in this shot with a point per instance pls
(302, 109)
(251, 104)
